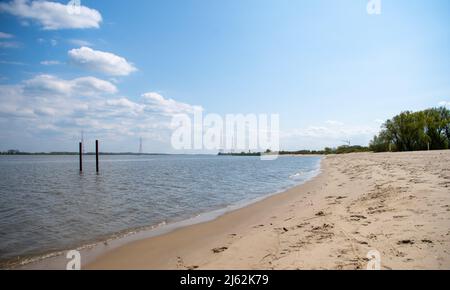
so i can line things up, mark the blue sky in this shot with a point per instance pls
(332, 71)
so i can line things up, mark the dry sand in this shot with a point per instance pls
(395, 203)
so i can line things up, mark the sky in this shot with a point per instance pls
(120, 70)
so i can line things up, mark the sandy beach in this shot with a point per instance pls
(395, 203)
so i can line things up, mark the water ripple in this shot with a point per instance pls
(46, 205)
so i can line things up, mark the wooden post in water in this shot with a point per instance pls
(96, 156)
(81, 157)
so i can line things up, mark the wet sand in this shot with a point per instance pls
(395, 203)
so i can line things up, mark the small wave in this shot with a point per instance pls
(296, 175)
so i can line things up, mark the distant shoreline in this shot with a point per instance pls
(88, 153)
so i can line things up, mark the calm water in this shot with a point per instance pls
(46, 205)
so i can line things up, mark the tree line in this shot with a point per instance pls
(414, 131)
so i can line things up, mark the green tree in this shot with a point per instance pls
(409, 131)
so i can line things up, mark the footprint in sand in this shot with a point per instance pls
(372, 237)
(426, 241)
(258, 226)
(219, 250)
(357, 218)
(320, 213)
(180, 264)
(302, 225)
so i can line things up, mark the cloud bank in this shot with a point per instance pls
(100, 61)
(50, 108)
(52, 15)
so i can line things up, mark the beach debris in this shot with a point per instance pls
(358, 216)
(219, 250)
(320, 213)
(323, 227)
(426, 241)
(405, 242)
(399, 216)
(323, 232)
(285, 229)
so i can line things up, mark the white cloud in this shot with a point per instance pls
(49, 107)
(51, 85)
(52, 15)
(53, 42)
(333, 122)
(330, 134)
(9, 44)
(79, 42)
(333, 132)
(155, 101)
(11, 62)
(4, 35)
(50, 62)
(124, 106)
(444, 103)
(101, 61)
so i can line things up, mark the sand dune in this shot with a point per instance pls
(395, 203)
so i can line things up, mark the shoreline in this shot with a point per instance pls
(91, 251)
(395, 203)
(199, 230)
